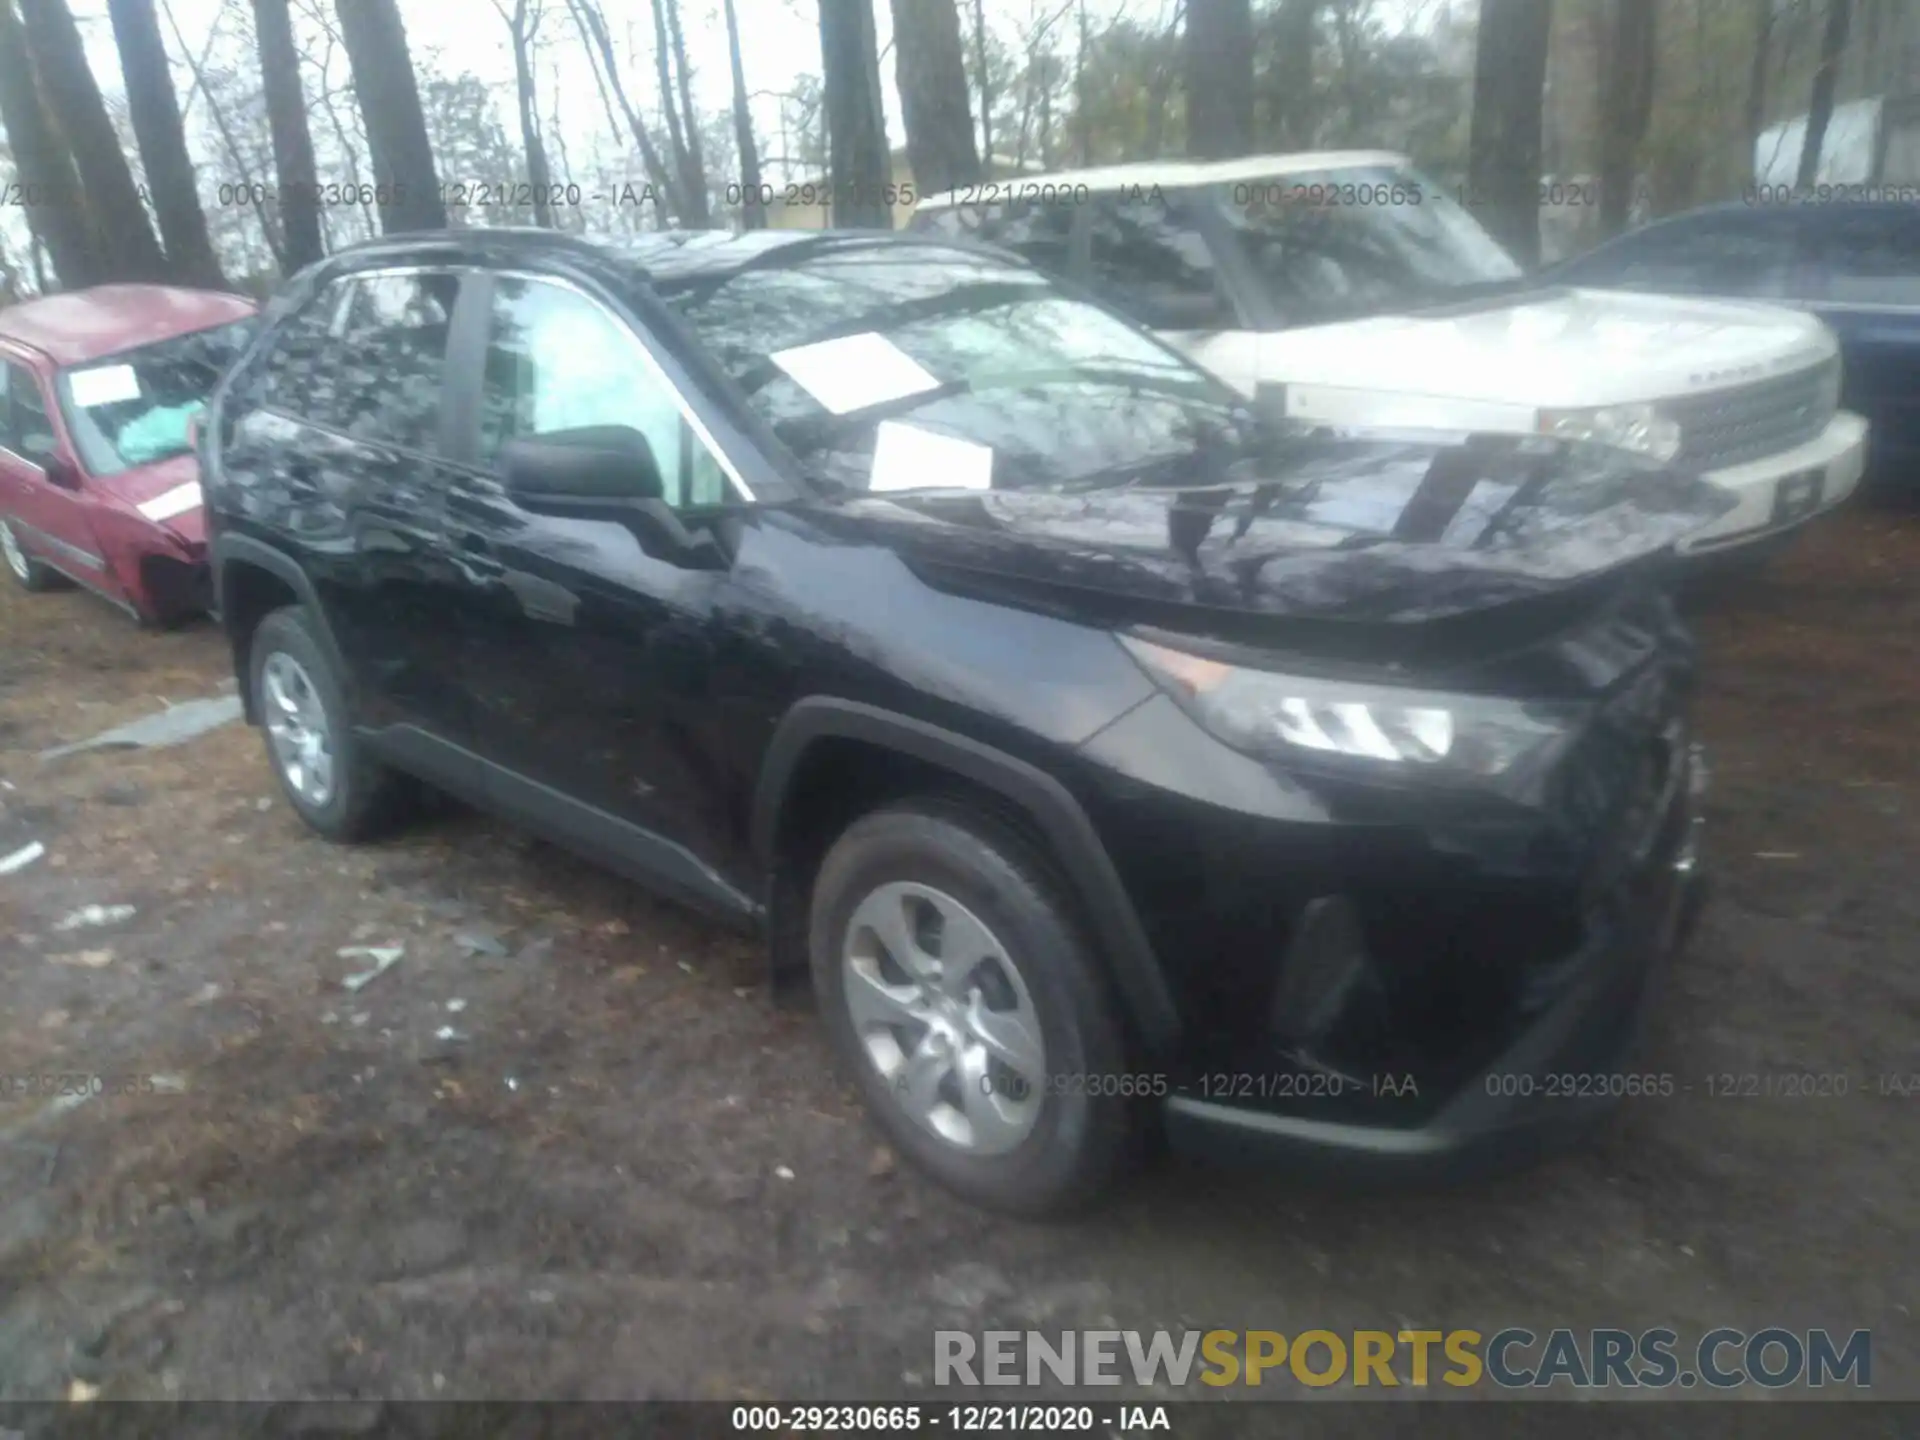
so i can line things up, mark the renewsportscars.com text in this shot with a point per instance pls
(1511, 1358)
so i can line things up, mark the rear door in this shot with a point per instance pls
(340, 448)
(1867, 264)
(49, 512)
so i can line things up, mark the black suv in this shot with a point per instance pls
(1108, 752)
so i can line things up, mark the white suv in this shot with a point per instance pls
(1353, 292)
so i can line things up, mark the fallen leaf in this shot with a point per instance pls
(85, 959)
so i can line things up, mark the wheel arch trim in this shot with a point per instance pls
(1076, 845)
(229, 550)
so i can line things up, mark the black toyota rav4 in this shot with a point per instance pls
(1114, 757)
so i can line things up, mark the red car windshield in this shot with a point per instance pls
(134, 408)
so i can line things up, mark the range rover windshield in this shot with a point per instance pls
(1358, 241)
(889, 364)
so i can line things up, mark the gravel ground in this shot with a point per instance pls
(570, 1146)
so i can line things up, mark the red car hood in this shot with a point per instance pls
(158, 492)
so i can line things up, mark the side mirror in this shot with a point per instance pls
(60, 471)
(594, 463)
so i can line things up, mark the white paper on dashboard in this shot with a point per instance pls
(906, 457)
(854, 371)
(169, 503)
(104, 385)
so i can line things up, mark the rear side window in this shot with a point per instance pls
(24, 426)
(367, 356)
(1148, 261)
(1871, 257)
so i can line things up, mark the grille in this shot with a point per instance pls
(1731, 427)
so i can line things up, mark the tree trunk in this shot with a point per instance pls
(930, 67)
(155, 115)
(256, 199)
(292, 142)
(689, 118)
(693, 196)
(857, 166)
(753, 214)
(55, 208)
(1290, 99)
(1503, 158)
(539, 178)
(1626, 54)
(407, 189)
(73, 98)
(593, 29)
(1219, 65)
(986, 87)
(1756, 112)
(1833, 44)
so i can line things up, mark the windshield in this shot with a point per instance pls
(892, 365)
(133, 408)
(1338, 244)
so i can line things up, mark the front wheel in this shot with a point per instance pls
(324, 769)
(957, 988)
(27, 572)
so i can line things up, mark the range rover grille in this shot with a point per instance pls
(1750, 422)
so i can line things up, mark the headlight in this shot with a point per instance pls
(1639, 428)
(1268, 713)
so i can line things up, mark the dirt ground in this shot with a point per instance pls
(569, 1145)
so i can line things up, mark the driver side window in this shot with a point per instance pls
(27, 432)
(558, 361)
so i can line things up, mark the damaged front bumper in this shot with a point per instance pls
(1558, 1076)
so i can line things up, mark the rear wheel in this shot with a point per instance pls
(28, 572)
(336, 786)
(958, 990)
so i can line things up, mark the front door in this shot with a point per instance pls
(40, 494)
(588, 655)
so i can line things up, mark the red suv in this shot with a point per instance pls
(98, 481)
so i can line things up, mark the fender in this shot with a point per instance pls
(243, 549)
(1123, 942)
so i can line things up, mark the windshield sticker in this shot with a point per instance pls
(908, 458)
(104, 385)
(169, 503)
(854, 371)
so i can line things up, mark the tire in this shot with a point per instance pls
(27, 572)
(1078, 1124)
(362, 798)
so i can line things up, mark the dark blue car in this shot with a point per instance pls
(1854, 264)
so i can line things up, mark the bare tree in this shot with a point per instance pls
(1290, 104)
(857, 167)
(1503, 159)
(1627, 56)
(930, 69)
(692, 187)
(753, 210)
(407, 186)
(230, 143)
(57, 215)
(523, 22)
(1219, 65)
(155, 116)
(1756, 111)
(1833, 44)
(986, 87)
(683, 74)
(593, 29)
(73, 99)
(292, 142)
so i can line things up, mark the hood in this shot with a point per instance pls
(1360, 532)
(1552, 349)
(167, 493)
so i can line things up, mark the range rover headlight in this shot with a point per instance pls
(1640, 428)
(1267, 713)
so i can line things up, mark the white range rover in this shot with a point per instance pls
(1353, 292)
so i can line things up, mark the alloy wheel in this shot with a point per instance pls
(945, 1017)
(296, 721)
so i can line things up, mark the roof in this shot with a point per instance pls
(1181, 174)
(76, 326)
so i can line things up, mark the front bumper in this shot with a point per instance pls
(1779, 493)
(1557, 1078)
